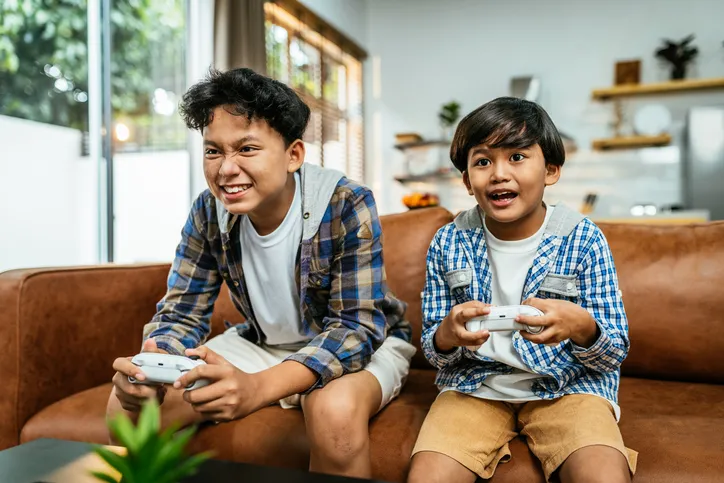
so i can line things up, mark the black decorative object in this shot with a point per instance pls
(679, 54)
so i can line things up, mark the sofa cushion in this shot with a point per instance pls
(675, 427)
(671, 279)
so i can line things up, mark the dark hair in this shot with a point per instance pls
(248, 94)
(507, 122)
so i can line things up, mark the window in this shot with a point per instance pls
(53, 190)
(325, 69)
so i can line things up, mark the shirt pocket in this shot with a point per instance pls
(458, 281)
(559, 286)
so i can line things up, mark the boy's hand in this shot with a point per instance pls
(231, 393)
(452, 332)
(562, 320)
(132, 396)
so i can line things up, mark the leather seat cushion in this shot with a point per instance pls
(676, 428)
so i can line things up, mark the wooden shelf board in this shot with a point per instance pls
(433, 177)
(630, 142)
(658, 88)
(422, 144)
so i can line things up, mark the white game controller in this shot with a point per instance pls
(502, 319)
(166, 369)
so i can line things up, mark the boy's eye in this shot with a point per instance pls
(482, 162)
(211, 152)
(517, 157)
(247, 149)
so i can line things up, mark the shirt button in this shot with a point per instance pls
(225, 247)
(317, 282)
(570, 286)
(306, 215)
(236, 284)
(543, 260)
(461, 277)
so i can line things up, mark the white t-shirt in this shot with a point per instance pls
(269, 264)
(510, 262)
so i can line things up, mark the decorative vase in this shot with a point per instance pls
(678, 72)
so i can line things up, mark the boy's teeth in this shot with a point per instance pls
(235, 189)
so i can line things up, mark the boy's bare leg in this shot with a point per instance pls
(173, 410)
(431, 467)
(594, 464)
(337, 419)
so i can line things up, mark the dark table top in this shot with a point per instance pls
(58, 461)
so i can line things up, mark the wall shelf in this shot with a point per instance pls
(658, 88)
(432, 177)
(631, 142)
(421, 144)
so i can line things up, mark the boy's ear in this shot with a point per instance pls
(296, 152)
(553, 174)
(466, 180)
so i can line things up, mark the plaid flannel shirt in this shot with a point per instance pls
(574, 264)
(345, 303)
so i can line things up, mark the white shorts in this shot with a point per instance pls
(390, 364)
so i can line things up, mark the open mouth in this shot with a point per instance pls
(502, 196)
(236, 188)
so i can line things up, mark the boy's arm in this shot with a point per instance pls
(436, 305)
(600, 296)
(355, 325)
(182, 319)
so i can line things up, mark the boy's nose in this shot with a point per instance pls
(229, 168)
(500, 172)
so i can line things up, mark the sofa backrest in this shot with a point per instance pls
(406, 237)
(672, 280)
(671, 277)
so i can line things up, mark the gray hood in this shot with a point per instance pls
(318, 185)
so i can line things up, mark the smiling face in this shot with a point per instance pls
(508, 184)
(249, 168)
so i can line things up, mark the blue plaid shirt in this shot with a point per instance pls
(573, 262)
(346, 305)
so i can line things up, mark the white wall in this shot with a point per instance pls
(426, 52)
(49, 207)
(48, 197)
(348, 16)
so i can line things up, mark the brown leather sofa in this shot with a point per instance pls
(62, 328)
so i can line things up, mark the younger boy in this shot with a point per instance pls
(559, 387)
(300, 248)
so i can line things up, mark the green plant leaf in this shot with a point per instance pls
(148, 422)
(122, 428)
(103, 477)
(187, 468)
(120, 463)
(172, 451)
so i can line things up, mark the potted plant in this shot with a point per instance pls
(448, 115)
(151, 456)
(679, 55)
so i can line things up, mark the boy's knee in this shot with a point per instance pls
(423, 472)
(337, 422)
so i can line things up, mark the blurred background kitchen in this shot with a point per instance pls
(96, 165)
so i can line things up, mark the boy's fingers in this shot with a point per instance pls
(545, 337)
(533, 320)
(128, 368)
(473, 338)
(539, 304)
(470, 312)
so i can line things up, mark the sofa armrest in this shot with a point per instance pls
(62, 328)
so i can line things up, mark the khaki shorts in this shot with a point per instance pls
(475, 432)
(390, 364)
